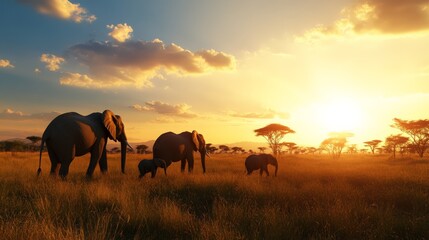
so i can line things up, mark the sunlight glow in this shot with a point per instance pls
(340, 115)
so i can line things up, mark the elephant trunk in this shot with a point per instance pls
(277, 167)
(124, 145)
(203, 160)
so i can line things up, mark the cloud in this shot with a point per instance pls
(4, 63)
(178, 110)
(341, 134)
(18, 115)
(376, 17)
(52, 62)
(77, 80)
(62, 9)
(120, 32)
(137, 62)
(269, 114)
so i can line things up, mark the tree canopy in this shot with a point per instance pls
(417, 130)
(395, 141)
(274, 133)
(372, 144)
(334, 146)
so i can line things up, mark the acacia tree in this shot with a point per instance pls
(395, 141)
(141, 149)
(372, 144)
(417, 130)
(237, 150)
(224, 148)
(262, 149)
(290, 146)
(274, 133)
(210, 148)
(334, 146)
(352, 148)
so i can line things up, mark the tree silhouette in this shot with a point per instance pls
(396, 141)
(262, 149)
(290, 146)
(334, 146)
(224, 148)
(34, 139)
(211, 149)
(352, 149)
(372, 144)
(274, 133)
(237, 150)
(141, 149)
(417, 130)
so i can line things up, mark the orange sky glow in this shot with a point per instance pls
(350, 66)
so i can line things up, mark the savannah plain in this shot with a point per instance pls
(358, 196)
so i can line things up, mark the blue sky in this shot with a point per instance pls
(223, 68)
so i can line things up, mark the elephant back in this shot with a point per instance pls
(253, 162)
(169, 146)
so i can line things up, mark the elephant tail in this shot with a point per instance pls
(40, 157)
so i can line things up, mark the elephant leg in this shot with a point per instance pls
(265, 169)
(153, 173)
(96, 154)
(64, 169)
(103, 162)
(249, 171)
(55, 164)
(190, 162)
(55, 168)
(66, 158)
(183, 165)
(92, 165)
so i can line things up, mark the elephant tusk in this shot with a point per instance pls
(130, 146)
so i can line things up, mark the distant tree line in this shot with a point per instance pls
(21, 146)
(416, 141)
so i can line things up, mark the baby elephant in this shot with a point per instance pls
(150, 165)
(255, 162)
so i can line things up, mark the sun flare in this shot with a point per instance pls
(340, 115)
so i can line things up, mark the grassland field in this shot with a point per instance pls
(313, 197)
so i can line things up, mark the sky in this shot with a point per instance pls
(223, 68)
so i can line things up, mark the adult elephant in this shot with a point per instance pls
(172, 147)
(71, 134)
(261, 161)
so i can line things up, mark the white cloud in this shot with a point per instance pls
(269, 114)
(178, 110)
(52, 62)
(120, 32)
(4, 63)
(18, 115)
(376, 17)
(137, 62)
(78, 80)
(62, 9)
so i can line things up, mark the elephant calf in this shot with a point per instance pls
(151, 165)
(255, 162)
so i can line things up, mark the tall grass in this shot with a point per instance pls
(313, 197)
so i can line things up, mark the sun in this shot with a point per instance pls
(340, 115)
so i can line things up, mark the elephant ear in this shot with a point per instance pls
(195, 140)
(109, 121)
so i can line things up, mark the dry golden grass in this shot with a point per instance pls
(313, 197)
